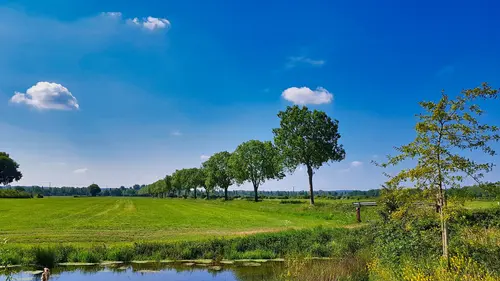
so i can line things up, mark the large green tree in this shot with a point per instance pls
(9, 169)
(308, 138)
(94, 189)
(186, 179)
(445, 131)
(255, 161)
(217, 170)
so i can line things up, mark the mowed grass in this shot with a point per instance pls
(115, 220)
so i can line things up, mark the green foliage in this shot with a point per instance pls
(307, 138)
(444, 130)
(12, 193)
(94, 189)
(256, 161)
(188, 179)
(9, 169)
(445, 127)
(44, 256)
(492, 188)
(217, 171)
(311, 242)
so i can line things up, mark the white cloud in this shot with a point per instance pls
(112, 14)
(294, 61)
(47, 95)
(352, 165)
(204, 157)
(304, 95)
(176, 134)
(355, 164)
(80, 171)
(151, 23)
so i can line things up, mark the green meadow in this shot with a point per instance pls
(113, 220)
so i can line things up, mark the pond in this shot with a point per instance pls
(157, 271)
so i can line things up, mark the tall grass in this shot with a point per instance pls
(318, 242)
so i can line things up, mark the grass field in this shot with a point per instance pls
(125, 220)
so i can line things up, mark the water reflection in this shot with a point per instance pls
(156, 271)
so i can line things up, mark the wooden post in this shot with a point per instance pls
(358, 213)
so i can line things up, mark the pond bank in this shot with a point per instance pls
(318, 242)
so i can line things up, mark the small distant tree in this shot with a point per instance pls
(217, 170)
(9, 169)
(444, 130)
(255, 161)
(492, 188)
(94, 189)
(308, 138)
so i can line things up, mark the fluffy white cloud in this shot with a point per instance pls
(294, 61)
(80, 171)
(47, 95)
(204, 157)
(151, 23)
(304, 95)
(355, 164)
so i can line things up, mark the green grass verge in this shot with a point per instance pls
(315, 242)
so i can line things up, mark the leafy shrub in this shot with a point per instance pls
(292, 202)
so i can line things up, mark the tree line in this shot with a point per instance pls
(305, 137)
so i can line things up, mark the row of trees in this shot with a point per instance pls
(305, 137)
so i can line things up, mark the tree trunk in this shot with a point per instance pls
(195, 193)
(225, 193)
(255, 188)
(311, 190)
(444, 223)
(208, 194)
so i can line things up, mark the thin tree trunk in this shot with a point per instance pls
(311, 190)
(444, 223)
(255, 188)
(225, 193)
(208, 195)
(195, 193)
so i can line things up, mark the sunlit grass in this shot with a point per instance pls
(126, 220)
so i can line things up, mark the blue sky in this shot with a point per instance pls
(197, 77)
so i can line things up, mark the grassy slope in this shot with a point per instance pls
(122, 220)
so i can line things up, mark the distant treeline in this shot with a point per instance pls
(485, 191)
(36, 191)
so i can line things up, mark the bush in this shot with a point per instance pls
(44, 257)
(292, 202)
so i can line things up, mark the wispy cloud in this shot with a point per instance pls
(204, 157)
(176, 133)
(355, 164)
(150, 23)
(447, 70)
(304, 95)
(352, 165)
(47, 95)
(80, 171)
(301, 60)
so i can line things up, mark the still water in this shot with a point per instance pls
(153, 272)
